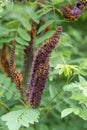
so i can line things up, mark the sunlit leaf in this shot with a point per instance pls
(24, 117)
(66, 112)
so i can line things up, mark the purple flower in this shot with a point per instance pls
(40, 70)
(77, 12)
(71, 13)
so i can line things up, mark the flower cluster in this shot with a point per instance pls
(8, 65)
(16, 77)
(40, 70)
(82, 4)
(72, 13)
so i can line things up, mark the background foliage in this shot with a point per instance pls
(64, 103)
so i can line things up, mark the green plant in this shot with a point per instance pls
(31, 23)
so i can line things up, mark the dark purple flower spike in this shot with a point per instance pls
(40, 70)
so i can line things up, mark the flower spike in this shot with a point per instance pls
(15, 75)
(40, 70)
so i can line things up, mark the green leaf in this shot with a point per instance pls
(2, 78)
(57, 1)
(21, 41)
(19, 47)
(44, 26)
(44, 37)
(7, 88)
(24, 117)
(81, 79)
(43, 127)
(12, 22)
(66, 40)
(66, 112)
(52, 92)
(33, 14)
(3, 31)
(24, 34)
(76, 111)
(43, 11)
(26, 23)
(66, 69)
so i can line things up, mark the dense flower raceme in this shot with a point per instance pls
(40, 70)
(7, 64)
(72, 13)
(16, 77)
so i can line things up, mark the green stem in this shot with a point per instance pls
(51, 108)
(58, 93)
